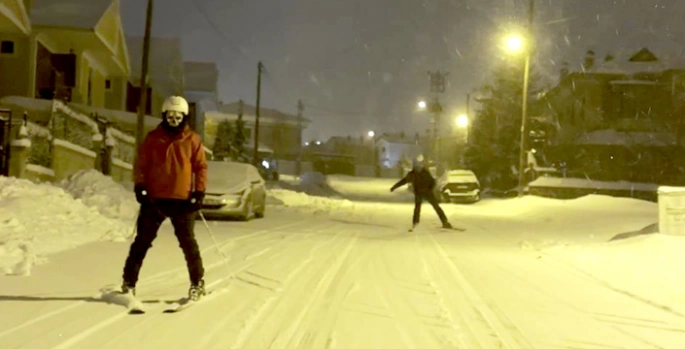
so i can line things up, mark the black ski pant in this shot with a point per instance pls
(152, 215)
(430, 197)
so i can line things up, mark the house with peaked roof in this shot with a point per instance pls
(14, 17)
(278, 131)
(201, 90)
(165, 72)
(73, 50)
(394, 149)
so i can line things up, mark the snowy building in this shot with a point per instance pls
(200, 84)
(638, 93)
(165, 72)
(393, 148)
(623, 114)
(72, 50)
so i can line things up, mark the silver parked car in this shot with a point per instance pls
(459, 185)
(234, 189)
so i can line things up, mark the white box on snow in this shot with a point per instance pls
(672, 210)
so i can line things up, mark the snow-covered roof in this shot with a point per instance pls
(68, 13)
(397, 139)
(613, 137)
(635, 62)
(273, 114)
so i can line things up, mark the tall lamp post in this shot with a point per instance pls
(517, 44)
(462, 123)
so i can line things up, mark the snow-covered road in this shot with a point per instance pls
(356, 279)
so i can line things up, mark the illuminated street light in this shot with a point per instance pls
(422, 105)
(514, 43)
(371, 134)
(462, 121)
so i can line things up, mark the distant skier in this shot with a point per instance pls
(423, 184)
(170, 179)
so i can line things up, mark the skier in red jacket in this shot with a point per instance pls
(170, 177)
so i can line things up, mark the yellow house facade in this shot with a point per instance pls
(72, 50)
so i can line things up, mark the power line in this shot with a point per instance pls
(218, 30)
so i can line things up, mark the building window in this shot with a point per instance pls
(7, 47)
(108, 84)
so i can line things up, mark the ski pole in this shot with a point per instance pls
(216, 244)
(135, 227)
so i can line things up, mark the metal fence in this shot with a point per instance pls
(72, 127)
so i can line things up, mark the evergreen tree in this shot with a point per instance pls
(224, 139)
(239, 139)
(496, 128)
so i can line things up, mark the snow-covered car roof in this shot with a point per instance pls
(461, 176)
(227, 177)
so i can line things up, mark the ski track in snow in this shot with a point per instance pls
(302, 284)
(152, 279)
(521, 285)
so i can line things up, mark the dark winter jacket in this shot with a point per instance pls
(422, 181)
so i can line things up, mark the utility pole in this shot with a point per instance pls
(300, 110)
(140, 131)
(468, 116)
(469, 126)
(437, 85)
(524, 102)
(255, 156)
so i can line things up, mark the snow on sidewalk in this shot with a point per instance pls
(40, 219)
(649, 267)
(97, 190)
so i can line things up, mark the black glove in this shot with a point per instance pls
(141, 194)
(196, 199)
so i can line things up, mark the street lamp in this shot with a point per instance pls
(462, 121)
(516, 44)
(371, 134)
(422, 105)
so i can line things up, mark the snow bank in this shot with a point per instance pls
(369, 189)
(97, 190)
(39, 219)
(317, 204)
(348, 187)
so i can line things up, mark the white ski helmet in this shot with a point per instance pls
(175, 103)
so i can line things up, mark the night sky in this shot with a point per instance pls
(362, 65)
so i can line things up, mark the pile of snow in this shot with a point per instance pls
(315, 183)
(97, 190)
(310, 183)
(317, 204)
(39, 219)
(369, 189)
(348, 187)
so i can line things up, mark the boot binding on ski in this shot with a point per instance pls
(197, 291)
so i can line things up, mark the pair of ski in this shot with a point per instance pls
(411, 229)
(183, 304)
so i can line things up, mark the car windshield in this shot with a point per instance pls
(222, 176)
